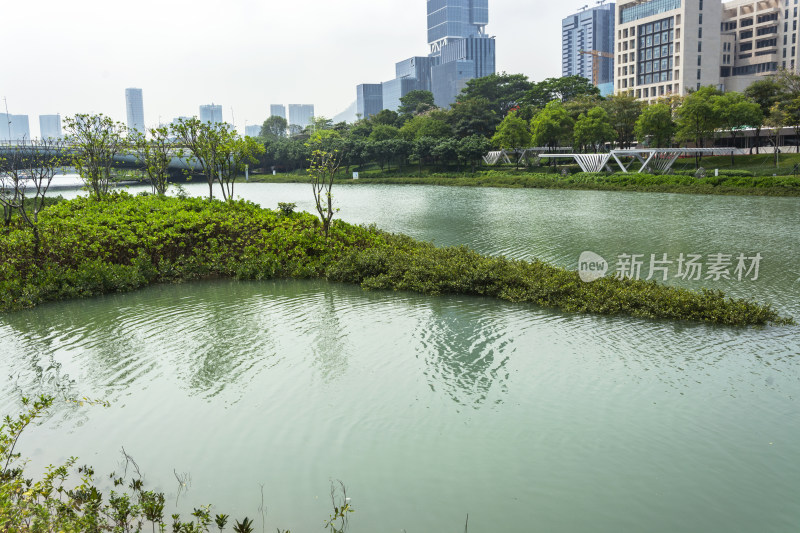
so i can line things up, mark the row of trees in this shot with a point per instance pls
(95, 141)
(509, 111)
(419, 130)
(92, 147)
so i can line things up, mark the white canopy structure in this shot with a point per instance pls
(587, 162)
(492, 158)
(662, 159)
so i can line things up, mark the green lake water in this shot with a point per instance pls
(432, 408)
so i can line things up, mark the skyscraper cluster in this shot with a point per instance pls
(459, 50)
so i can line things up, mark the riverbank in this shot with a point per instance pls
(90, 247)
(719, 185)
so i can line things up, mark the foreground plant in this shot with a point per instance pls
(48, 505)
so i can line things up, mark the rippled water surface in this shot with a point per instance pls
(429, 408)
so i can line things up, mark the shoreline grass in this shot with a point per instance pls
(91, 247)
(784, 186)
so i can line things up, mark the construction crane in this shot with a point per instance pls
(596, 54)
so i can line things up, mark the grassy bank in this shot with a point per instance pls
(742, 185)
(90, 247)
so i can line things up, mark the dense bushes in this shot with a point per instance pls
(93, 247)
(404, 264)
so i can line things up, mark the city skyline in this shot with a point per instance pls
(91, 70)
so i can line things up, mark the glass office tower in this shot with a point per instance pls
(457, 37)
(277, 110)
(459, 50)
(135, 109)
(369, 99)
(588, 30)
(211, 113)
(50, 127)
(455, 19)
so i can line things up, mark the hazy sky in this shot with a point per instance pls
(79, 56)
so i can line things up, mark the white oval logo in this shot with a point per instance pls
(591, 267)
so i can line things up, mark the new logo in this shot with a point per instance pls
(591, 267)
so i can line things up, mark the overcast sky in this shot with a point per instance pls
(79, 56)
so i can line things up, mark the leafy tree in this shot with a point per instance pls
(361, 129)
(422, 149)
(383, 132)
(472, 149)
(432, 124)
(775, 121)
(322, 169)
(25, 177)
(735, 112)
(581, 105)
(274, 126)
(697, 117)
(473, 116)
(564, 89)
(765, 93)
(512, 133)
(387, 117)
(551, 126)
(623, 112)
(446, 150)
(655, 125)
(791, 109)
(95, 140)
(593, 129)
(789, 81)
(205, 142)
(502, 91)
(415, 103)
(320, 123)
(235, 154)
(327, 140)
(154, 155)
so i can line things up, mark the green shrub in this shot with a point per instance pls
(92, 247)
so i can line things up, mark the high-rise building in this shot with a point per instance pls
(590, 30)
(252, 131)
(459, 50)
(668, 46)
(135, 108)
(14, 127)
(457, 34)
(394, 90)
(277, 110)
(369, 99)
(50, 127)
(301, 114)
(673, 46)
(211, 113)
(758, 37)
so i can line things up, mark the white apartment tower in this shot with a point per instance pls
(667, 46)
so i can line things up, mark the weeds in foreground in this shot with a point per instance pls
(48, 505)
